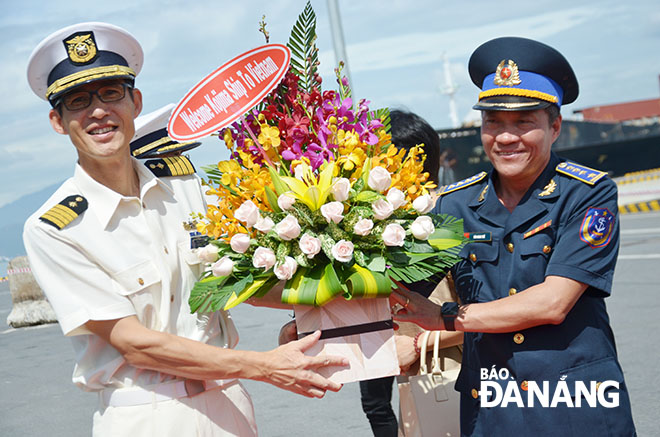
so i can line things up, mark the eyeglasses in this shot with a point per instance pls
(78, 100)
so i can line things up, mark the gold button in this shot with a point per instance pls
(512, 291)
(475, 393)
(598, 385)
(140, 281)
(524, 385)
(166, 251)
(547, 249)
(509, 247)
(172, 298)
(473, 257)
(518, 338)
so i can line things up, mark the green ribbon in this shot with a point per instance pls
(321, 284)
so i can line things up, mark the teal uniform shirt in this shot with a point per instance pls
(566, 225)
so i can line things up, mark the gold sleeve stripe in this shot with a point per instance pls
(74, 79)
(518, 92)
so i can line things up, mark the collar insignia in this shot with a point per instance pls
(482, 195)
(548, 189)
(507, 74)
(81, 47)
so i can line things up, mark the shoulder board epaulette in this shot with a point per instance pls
(172, 166)
(580, 172)
(461, 184)
(65, 212)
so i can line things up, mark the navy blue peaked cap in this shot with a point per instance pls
(517, 74)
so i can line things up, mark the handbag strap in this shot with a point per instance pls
(423, 370)
(435, 362)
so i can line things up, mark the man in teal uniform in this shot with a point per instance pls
(543, 242)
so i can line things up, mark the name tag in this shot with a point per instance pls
(475, 237)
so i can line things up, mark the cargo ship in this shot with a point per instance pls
(619, 139)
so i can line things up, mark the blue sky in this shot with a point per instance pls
(395, 51)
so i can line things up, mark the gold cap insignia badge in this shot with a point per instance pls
(507, 74)
(81, 47)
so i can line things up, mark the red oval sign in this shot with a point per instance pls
(229, 92)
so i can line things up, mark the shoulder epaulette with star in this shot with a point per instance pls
(461, 184)
(580, 172)
(65, 212)
(172, 166)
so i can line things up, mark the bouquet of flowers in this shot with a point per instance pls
(316, 195)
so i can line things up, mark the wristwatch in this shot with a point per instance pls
(448, 313)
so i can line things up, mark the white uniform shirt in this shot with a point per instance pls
(123, 256)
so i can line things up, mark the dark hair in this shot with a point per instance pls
(553, 113)
(409, 130)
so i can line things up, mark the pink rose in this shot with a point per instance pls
(239, 243)
(422, 227)
(379, 179)
(309, 245)
(286, 270)
(394, 235)
(247, 213)
(264, 224)
(340, 189)
(342, 251)
(333, 211)
(288, 229)
(424, 204)
(263, 258)
(396, 197)
(285, 202)
(363, 227)
(223, 267)
(208, 253)
(382, 209)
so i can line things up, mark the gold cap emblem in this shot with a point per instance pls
(81, 47)
(506, 74)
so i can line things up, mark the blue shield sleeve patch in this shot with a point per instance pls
(597, 227)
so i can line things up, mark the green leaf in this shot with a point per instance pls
(377, 264)
(280, 186)
(368, 196)
(272, 199)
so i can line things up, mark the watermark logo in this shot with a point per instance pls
(499, 389)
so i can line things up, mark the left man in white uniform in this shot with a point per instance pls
(111, 253)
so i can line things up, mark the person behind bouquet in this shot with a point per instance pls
(110, 251)
(543, 242)
(408, 130)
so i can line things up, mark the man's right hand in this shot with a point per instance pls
(289, 368)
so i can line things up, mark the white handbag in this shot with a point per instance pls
(429, 405)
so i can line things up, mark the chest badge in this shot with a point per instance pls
(597, 227)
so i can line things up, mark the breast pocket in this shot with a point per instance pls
(539, 245)
(141, 283)
(468, 274)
